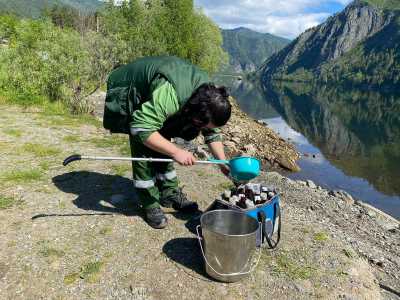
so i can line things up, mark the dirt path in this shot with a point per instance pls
(76, 232)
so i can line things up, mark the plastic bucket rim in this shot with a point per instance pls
(230, 211)
(241, 157)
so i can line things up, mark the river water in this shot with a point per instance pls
(349, 138)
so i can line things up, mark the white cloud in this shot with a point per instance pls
(287, 18)
(344, 2)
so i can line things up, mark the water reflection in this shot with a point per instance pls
(355, 135)
(249, 96)
(358, 131)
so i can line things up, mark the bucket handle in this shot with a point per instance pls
(231, 274)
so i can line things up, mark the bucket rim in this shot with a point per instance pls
(235, 212)
(243, 157)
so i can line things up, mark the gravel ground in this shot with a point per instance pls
(77, 232)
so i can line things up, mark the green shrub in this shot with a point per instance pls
(53, 59)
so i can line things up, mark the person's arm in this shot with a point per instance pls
(158, 143)
(217, 150)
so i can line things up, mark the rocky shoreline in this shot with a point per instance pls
(371, 233)
(246, 136)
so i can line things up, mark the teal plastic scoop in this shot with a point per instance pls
(243, 168)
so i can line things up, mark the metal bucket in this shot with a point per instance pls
(229, 242)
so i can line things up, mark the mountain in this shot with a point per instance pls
(33, 8)
(248, 49)
(360, 45)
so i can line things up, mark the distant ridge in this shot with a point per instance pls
(33, 8)
(247, 49)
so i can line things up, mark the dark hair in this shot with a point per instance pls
(208, 103)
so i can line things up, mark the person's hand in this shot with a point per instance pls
(225, 170)
(184, 158)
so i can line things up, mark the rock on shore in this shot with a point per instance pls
(246, 136)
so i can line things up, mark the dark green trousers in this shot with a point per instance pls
(152, 180)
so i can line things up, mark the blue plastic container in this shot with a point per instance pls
(270, 216)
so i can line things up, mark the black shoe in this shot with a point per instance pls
(179, 202)
(155, 218)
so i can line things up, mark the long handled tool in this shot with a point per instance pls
(75, 157)
(242, 168)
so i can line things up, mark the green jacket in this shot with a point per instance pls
(148, 91)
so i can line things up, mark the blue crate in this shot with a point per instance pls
(267, 213)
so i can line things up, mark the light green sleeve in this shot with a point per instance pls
(153, 113)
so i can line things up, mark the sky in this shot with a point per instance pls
(286, 18)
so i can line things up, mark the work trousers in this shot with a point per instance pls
(152, 180)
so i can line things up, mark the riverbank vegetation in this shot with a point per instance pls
(65, 55)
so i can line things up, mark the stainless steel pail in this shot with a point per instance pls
(228, 243)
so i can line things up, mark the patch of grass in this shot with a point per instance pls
(47, 251)
(71, 278)
(51, 252)
(44, 165)
(22, 176)
(119, 141)
(71, 139)
(39, 150)
(321, 237)
(3, 100)
(201, 173)
(342, 273)
(105, 230)
(6, 202)
(13, 132)
(227, 185)
(125, 149)
(60, 121)
(110, 141)
(11, 244)
(47, 108)
(4, 146)
(121, 170)
(88, 119)
(13, 97)
(291, 268)
(91, 271)
(105, 142)
(62, 205)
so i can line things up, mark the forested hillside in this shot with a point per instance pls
(70, 54)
